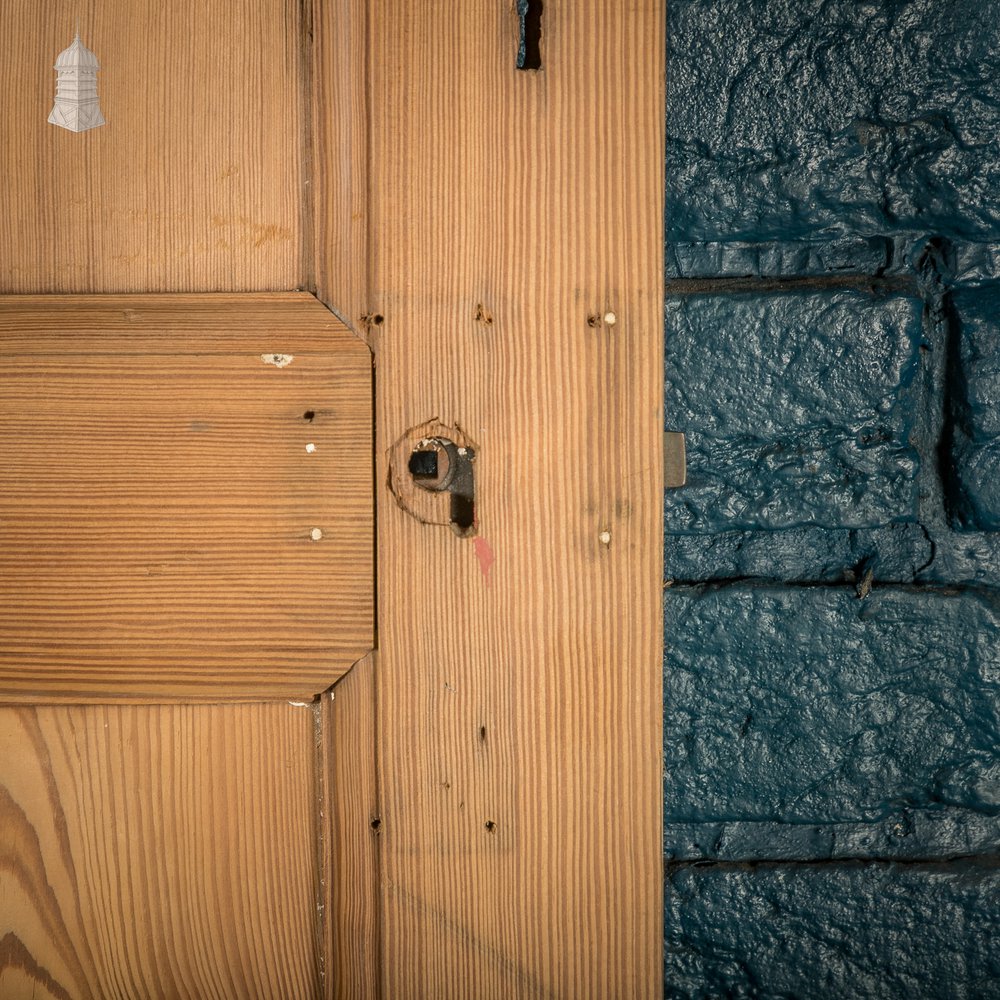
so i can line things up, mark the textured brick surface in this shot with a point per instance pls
(802, 118)
(797, 409)
(832, 675)
(810, 704)
(833, 932)
(899, 553)
(976, 442)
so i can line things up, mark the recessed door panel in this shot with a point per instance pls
(196, 181)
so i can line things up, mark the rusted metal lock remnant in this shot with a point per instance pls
(429, 462)
(440, 465)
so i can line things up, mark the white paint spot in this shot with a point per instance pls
(604, 537)
(278, 360)
(299, 704)
(310, 447)
(463, 452)
(610, 318)
(316, 534)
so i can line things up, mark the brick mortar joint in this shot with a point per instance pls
(876, 285)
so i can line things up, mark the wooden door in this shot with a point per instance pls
(200, 796)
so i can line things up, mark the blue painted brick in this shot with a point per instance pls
(976, 401)
(812, 705)
(833, 932)
(798, 119)
(899, 553)
(797, 407)
(807, 723)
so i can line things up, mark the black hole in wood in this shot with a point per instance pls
(424, 465)
(463, 512)
(309, 415)
(376, 824)
(529, 53)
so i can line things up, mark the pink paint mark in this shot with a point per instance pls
(485, 556)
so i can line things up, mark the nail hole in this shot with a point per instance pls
(529, 51)
(490, 826)
(309, 415)
(482, 733)
(593, 321)
(376, 824)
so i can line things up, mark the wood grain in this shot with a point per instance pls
(195, 183)
(516, 258)
(352, 826)
(158, 500)
(158, 852)
(339, 144)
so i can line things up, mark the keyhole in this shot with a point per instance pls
(529, 51)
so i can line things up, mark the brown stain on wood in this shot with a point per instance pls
(162, 492)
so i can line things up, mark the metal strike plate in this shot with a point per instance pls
(674, 460)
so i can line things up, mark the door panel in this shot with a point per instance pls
(158, 851)
(196, 182)
(185, 497)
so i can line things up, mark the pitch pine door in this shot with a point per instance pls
(330, 532)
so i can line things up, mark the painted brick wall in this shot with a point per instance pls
(832, 592)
